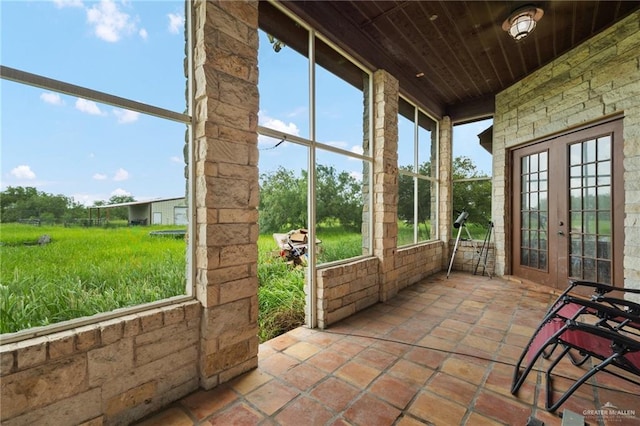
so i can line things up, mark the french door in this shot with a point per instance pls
(568, 207)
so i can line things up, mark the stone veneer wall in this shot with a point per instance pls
(112, 372)
(598, 78)
(417, 262)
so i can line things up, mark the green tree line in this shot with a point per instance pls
(339, 198)
(27, 203)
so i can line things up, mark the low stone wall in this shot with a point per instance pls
(112, 372)
(346, 289)
(466, 257)
(418, 262)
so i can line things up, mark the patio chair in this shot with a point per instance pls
(604, 329)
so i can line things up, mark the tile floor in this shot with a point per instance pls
(441, 352)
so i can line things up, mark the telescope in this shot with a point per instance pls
(461, 219)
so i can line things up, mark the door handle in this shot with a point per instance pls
(560, 232)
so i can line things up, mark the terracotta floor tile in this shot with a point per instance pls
(357, 374)
(502, 409)
(281, 342)
(426, 357)
(303, 376)
(368, 410)
(277, 364)
(375, 358)
(476, 419)
(452, 388)
(335, 393)
(237, 415)
(172, 416)
(437, 410)
(271, 397)
(302, 350)
(204, 403)
(304, 410)
(364, 371)
(465, 369)
(411, 372)
(249, 381)
(395, 391)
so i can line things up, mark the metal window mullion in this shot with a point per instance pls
(36, 80)
(311, 190)
(416, 169)
(191, 266)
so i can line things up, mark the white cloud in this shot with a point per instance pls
(23, 172)
(99, 176)
(126, 116)
(143, 34)
(68, 3)
(176, 23)
(176, 159)
(119, 192)
(110, 24)
(51, 98)
(121, 174)
(89, 107)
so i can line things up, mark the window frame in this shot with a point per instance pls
(187, 118)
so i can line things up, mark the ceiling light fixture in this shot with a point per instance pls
(522, 21)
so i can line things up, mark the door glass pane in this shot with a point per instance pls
(590, 210)
(534, 211)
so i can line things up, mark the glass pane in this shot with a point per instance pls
(339, 206)
(524, 166)
(575, 155)
(589, 177)
(141, 44)
(589, 151)
(427, 143)
(576, 171)
(604, 169)
(604, 272)
(604, 198)
(533, 258)
(576, 222)
(542, 260)
(604, 247)
(339, 119)
(589, 269)
(406, 211)
(406, 144)
(524, 257)
(604, 148)
(534, 163)
(589, 246)
(604, 223)
(543, 181)
(589, 223)
(575, 267)
(576, 244)
(284, 67)
(543, 161)
(426, 209)
(590, 198)
(576, 199)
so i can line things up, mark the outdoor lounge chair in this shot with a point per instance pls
(604, 329)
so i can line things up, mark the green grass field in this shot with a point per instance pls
(85, 271)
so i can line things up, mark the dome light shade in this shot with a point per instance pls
(522, 21)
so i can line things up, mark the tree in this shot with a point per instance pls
(121, 213)
(283, 199)
(473, 196)
(28, 203)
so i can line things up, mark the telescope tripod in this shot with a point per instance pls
(455, 247)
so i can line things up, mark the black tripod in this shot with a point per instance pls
(484, 250)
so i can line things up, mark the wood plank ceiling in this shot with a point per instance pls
(452, 57)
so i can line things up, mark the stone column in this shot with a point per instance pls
(226, 194)
(446, 186)
(385, 175)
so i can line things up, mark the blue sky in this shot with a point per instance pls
(135, 49)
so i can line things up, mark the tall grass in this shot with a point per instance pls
(83, 271)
